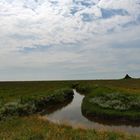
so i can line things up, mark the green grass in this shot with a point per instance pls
(130, 85)
(28, 105)
(11, 91)
(112, 103)
(33, 128)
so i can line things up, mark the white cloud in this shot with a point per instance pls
(78, 32)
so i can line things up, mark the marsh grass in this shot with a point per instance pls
(30, 105)
(109, 103)
(33, 128)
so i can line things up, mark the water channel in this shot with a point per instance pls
(70, 113)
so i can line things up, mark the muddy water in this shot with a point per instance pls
(71, 114)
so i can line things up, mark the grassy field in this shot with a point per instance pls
(11, 91)
(112, 104)
(111, 99)
(33, 128)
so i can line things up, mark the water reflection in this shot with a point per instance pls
(109, 121)
(51, 108)
(72, 114)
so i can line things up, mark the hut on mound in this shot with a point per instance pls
(127, 77)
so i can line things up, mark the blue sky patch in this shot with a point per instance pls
(86, 17)
(36, 48)
(86, 3)
(108, 13)
(75, 9)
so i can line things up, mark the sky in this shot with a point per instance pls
(69, 39)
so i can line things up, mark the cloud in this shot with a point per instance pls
(71, 37)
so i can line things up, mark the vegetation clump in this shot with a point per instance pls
(32, 104)
(112, 104)
(117, 101)
(82, 88)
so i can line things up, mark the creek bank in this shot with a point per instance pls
(109, 103)
(112, 106)
(31, 105)
(73, 115)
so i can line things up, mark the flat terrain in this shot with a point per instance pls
(33, 128)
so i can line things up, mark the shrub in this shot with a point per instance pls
(83, 89)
